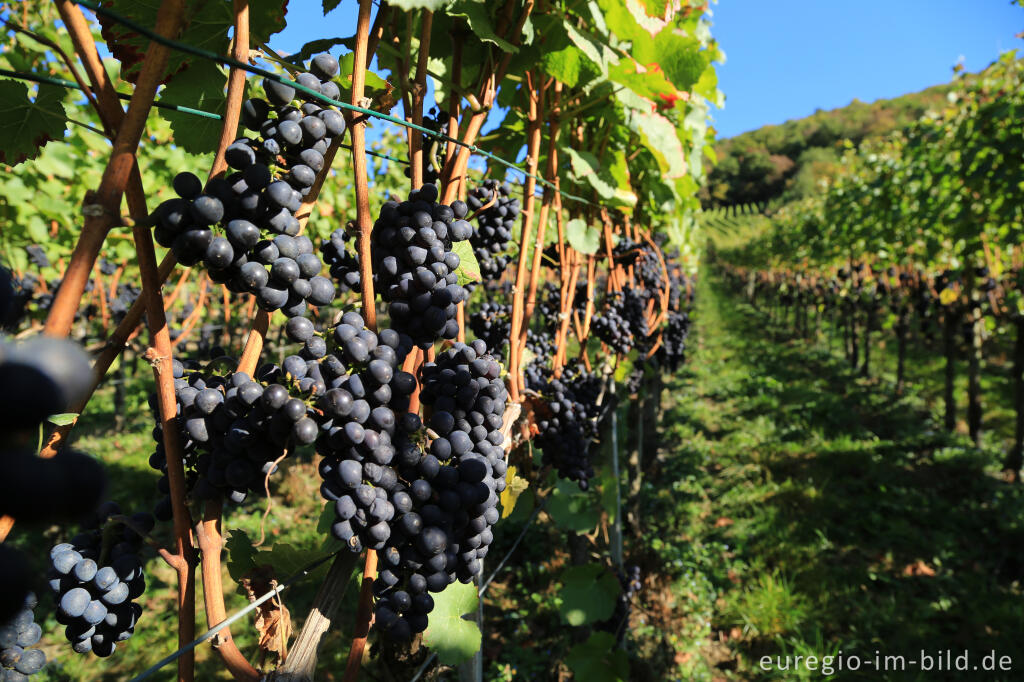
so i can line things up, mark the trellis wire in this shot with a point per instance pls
(60, 82)
(209, 634)
(233, 63)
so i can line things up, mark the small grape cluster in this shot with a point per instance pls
(631, 583)
(18, 660)
(494, 226)
(567, 418)
(490, 323)
(673, 345)
(243, 228)
(342, 261)
(415, 267)
(438, 122)
(444, 527)
(95, 578)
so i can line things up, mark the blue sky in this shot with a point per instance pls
(786, 58)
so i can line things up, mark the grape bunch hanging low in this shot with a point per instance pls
(494, 226)
(568, 412)
(243, 228)
(433, 148)
(95, 579)
(443, 530)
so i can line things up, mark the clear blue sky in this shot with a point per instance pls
(786, 58)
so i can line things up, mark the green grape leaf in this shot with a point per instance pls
(241, 554)
(201, 86)
(63, 419)
(285, 559)
(469, 266)
(587, 169)
(373, 81)
(588, 594)
(582, 237)
(329, 5)
(26, 125)
(480, 23)
(600, 54)
(450, 632)
(658, 134)
(572, 509)
(597, 659)
(206, 27)
(266, 17)
(35, 226)
(565, 64)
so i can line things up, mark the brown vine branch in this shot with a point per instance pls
(549, 197)
(102, 207)
(532, 157)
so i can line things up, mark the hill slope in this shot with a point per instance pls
(786, 160)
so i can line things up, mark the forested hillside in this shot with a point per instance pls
(786, 160)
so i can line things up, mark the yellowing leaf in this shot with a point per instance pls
(514, 487)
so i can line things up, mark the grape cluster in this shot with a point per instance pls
(37, 256)
(673, 345)
(494, 226)
(432, 147)
(492, 324)
(442, 529)
(361, 415)
(645, 262)
(243, 228)
(18, 660)
(95, 578)
(415, 267)
(622, 324)
(567, 418)
(39, 377)
(27, 297)
(231, 435)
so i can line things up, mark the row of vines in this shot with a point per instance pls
(919, 238)
(335, 272)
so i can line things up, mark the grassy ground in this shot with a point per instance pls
(803, 510)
